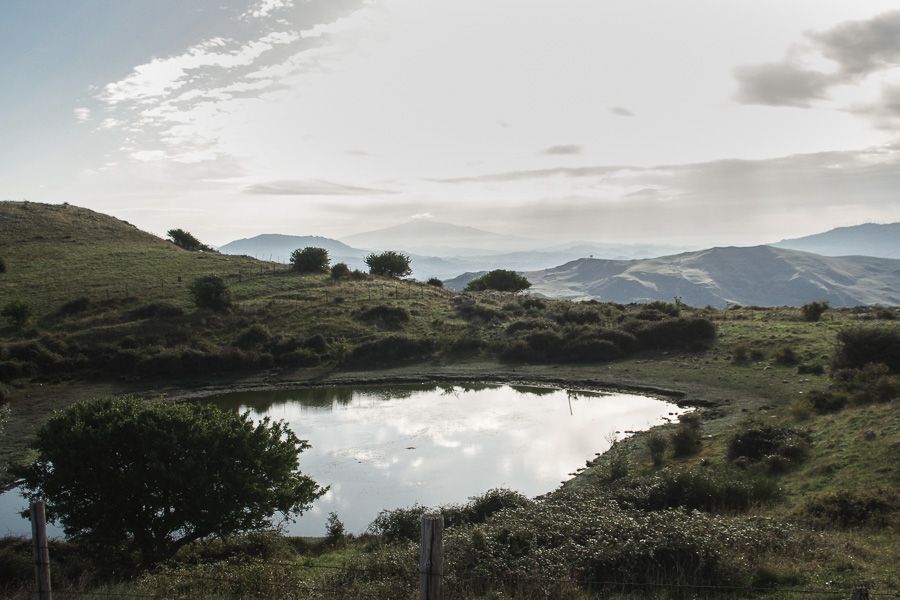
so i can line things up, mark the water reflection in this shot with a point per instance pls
(390, 446)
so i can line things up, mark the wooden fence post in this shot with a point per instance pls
(431, 557)
(41, 552)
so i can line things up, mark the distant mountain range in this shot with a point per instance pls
(278, 247)
(870, 239)
(759, 275)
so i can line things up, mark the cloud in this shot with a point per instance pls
(423, 215)
(862, 47)
(82, 114)
(858, 49)
(508, 176)
(621, 111)
(884, 112)
(562, 149)
(263, 8)
(310, 187)
(780, 84)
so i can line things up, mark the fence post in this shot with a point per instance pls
(41, 552)
(431, 557)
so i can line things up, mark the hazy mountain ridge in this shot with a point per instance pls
(759, 275)
(278, 246)
(870, 239)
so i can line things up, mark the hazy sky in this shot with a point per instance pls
(689, 122)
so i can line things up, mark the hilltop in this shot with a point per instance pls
(869, 239)
(754, 276)
(278, 247)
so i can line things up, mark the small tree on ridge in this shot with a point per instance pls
(389, 264)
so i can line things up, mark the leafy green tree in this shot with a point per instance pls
(335, 533)
(310, 260)
(17, 312)
(211, 292)
(184, 239)
(501, 280)
(131, 477)
(389, 264)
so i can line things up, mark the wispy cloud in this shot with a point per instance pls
(82, 114)
(621, 111)
(263, 8)
(563, 149)
(311, 187)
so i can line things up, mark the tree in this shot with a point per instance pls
(389, 264)
(17, 312)
(435, 282)
(211, 292)
(813, 311)
(126, 476)
(340, 271)
(184, 239)
(310, 260)
(500, 280)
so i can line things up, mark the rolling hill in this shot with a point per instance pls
(758, 276)
(278, 247)
(871, 239)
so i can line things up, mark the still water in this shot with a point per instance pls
(393, 446)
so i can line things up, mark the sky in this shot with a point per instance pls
(691, 122)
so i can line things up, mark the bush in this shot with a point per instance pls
(340, 271)
(434, 281)
(310, 260)
(18, 313)
(211, 292)
(391, 349)
(827, 401)
(697, 488)
(667, 308)
(501, 280)
(871, 384)
(184, 240)
(810, 369)
(479, 312)
(389, 264)
(686, 441)
(532, 303)
(391, 317)
(859, 346)
(657, 444)
(527, 325)
(785, 356)
(758, 441)
(579, 316)
(853, 508)
(813, 311)
(156, 310)
(2, 265)
(75, 306)
(253, 336)
(691, 333)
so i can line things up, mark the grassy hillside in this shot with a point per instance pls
(814, 509)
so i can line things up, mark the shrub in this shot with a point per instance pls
(758, 441)
(301, 357)
(813, 311)
(859, 346)
(532, 303)
(657, 444)
(391, 317)
(824, 402)
(434, 281)
(391, 349)
(579, 316)
(184, 240)
(310, 260)
(527, 325)
(389, 264)
(810, 369)
(696, 488)
(785, 356)
(668, 308)
(18, 313)
(501, 280)
(591, 350)
(2, 265)
(853, 508)
(317, 343)
(340, 271)
(479, 312)
(686, 441)
(156, 310)
(740, 354)
(74, 306)
(871, 384)
(253, 335)
(211, 292)
(691, 333)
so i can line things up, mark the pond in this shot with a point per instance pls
(383, 447)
